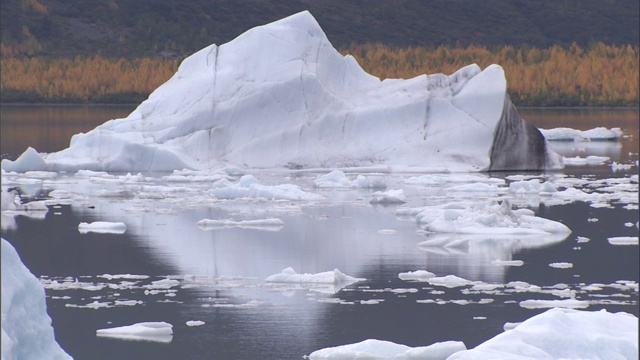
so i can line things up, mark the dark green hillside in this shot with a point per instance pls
(136, 28)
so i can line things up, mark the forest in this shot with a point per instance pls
(598, 75)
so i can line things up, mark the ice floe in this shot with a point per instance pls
(103, 227)
(484, 218)
(289, 275)
(145, 331)
(270, 224)
(569, 134)
(623, 240)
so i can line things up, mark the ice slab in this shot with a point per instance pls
(289, 275)
(103, 227)
(145, 331)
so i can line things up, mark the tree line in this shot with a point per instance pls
(599, 75)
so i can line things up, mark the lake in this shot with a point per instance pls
(217, 274)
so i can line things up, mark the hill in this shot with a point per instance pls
(148, 28)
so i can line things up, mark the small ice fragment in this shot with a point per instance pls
(145, 331)
(566, 303)
(623, 240)
(103, 227)
(195, 323)
(418, 275)
(450, 281)
(561, 265)
(508, 262)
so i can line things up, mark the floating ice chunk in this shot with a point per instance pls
(103, 227)
(395, 196)
(508, 262)
(371, 302)
(123, 276)
(532, 186)
(566, 303)
(569, 134)
(487, 218)
(270, 224)
(450, 281)
(623, 240)
(145, 331)
(589, 160)
(289, 275)
(563, 334)
(195, 323)
(476, 187)
(248, 187)
(93, 305)
(128, 302)
(582, 239)
(163, 284)
(619, 167)
(561, 265)
(30, 160)
(336, 178)
(418, 275)
(380, 349)
(26, 326)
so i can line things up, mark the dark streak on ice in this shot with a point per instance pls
(517, 145)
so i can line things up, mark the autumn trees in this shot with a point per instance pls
(600, 75)
(82, 79)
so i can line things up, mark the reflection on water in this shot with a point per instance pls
(220, 272)
(49, 128)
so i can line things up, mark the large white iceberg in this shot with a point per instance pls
(554, 334)
(564, 334)
(26, 326)
(280, 96)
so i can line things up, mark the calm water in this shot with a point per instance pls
(222, 271)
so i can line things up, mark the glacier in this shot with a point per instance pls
(281, 96)
(26, 326)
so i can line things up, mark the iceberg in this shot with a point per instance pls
(563, 334)
(26, 326)
(280, 96)
(554, 334)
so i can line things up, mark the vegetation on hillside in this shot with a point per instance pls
(600, 75)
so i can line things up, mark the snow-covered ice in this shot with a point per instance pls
(26, 326)
(315, 109)
(145, 331)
